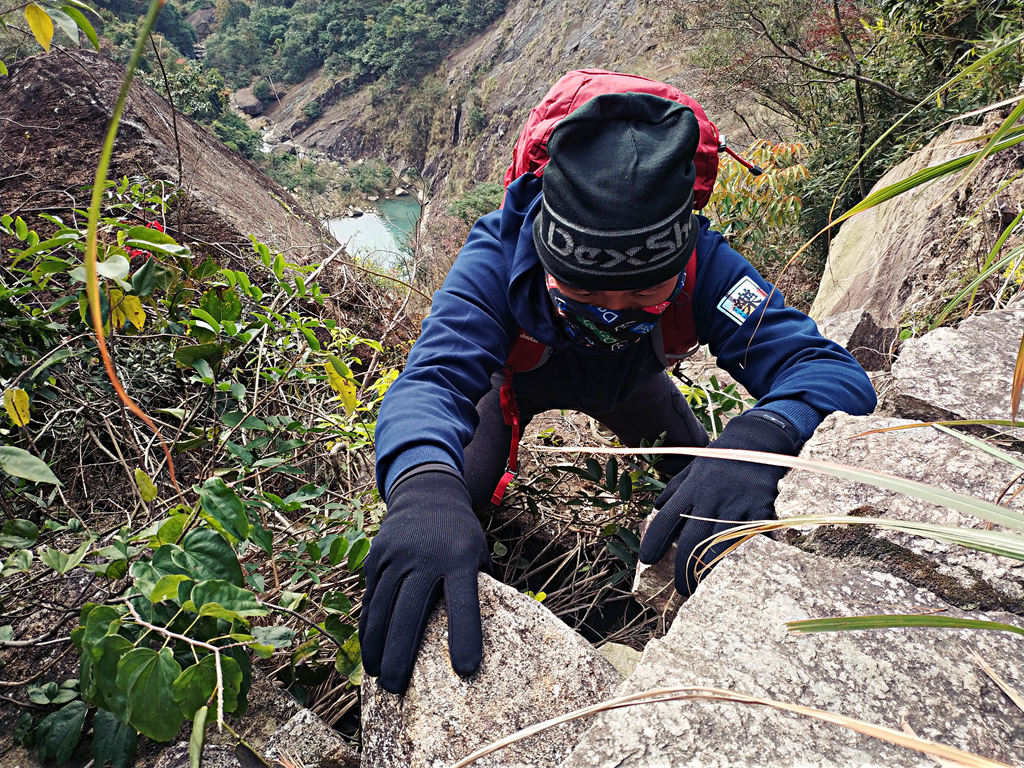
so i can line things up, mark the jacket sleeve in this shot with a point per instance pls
(775, 351)
(429, 413)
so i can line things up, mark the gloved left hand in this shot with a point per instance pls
(728, 492)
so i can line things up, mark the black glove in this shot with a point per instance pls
(730, 491)
(430, 542)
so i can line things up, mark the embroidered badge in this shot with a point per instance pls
(742, 299)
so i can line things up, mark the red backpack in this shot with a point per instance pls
(530, 155)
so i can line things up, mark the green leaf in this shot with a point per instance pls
(144, 279)
(153, 240)
(65, 23)
(195, 742)
(112, 741)
(18, 462)
(58, 733)
(42, 27)
(18, 533)
(594, 471)
(106, 654)
(222, 304)
(167, 587)
(144, 482)
(357, 554)
(147, 676)
(203, 554)
(611, 472)
(625, 487)
(211, 353)
(194, 688)
(62, 562)
(217, 592)
(222, 503)
(83, 24)
(278, 637)
(840, 624)
(116, 267)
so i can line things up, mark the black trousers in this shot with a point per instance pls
(655, 407)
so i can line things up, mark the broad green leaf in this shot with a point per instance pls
(58, 733)
(116, 267)
(211, 353)
(147, 490)
(207, 318)
(112, 741)
(222, 503)
(3, 69)
(101, 621)
(167, 587)
(65, 23)
(83, 24)
(106, 654)
(195, 741)
(40, 24)
(153, 240)
(16, 404)
(278, 637)
(62, 562)
(203, 554)
(148, 676)
(222, 304)
(18, 462)
(144, 279)
(18, 533)
(195, 687)
(360, 549)
(217, 592)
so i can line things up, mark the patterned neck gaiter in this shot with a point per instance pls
(615, 329)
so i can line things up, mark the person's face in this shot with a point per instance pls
(619, 300)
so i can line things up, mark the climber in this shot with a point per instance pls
(585, 261)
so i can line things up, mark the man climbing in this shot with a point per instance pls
(586, 262)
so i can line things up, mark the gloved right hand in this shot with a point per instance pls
(430, 542)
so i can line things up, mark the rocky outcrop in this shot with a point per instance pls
(857, 331)
(899, 259)
(959, 373)
(732, 635)
(534, 667)
(245, 101)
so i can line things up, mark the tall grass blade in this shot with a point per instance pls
(1018, 383)
(982, 445)
(985, 510)
(889, 621)
(971, 287)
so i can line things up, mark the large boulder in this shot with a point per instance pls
(245, 100)
(964, 577)
(899, 259)
(732, 635)
(959, 373)
(534, 667)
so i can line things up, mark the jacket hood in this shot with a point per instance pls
(527, 295)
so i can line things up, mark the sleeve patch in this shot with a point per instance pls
(741, 300)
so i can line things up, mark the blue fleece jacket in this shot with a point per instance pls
(496, 286)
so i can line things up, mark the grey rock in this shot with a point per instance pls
(534, 667)
(284, 148)
(247, 102)
(622, 657)
(899, 259)
(653, 585)
(214, 756)
(857, 331)
(964, 577)
(959, 373)
(731, 635)
(310, 742)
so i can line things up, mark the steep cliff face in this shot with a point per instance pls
(458, 125)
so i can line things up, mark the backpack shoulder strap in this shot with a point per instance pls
(678, 330)
(527, 353)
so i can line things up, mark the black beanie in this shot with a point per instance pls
(617, 210)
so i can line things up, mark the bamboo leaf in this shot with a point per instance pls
(841, 624)
(83, 24)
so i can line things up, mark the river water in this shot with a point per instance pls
(381, 235)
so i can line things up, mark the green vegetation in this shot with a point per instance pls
(395, 41)
(844, 72)
(271, 406)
